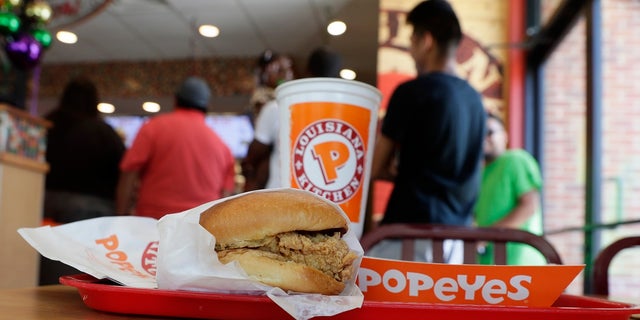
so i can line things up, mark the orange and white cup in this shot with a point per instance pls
(327, 134)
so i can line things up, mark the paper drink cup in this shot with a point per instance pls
(327, 134)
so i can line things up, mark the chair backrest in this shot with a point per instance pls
(471, 236)
(603, 260)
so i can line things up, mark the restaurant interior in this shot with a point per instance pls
(561, 73)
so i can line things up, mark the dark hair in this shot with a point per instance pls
(78, 103)
(324, 63)
(438, 18)
(495, 117)
(80, 97)
(265, 58)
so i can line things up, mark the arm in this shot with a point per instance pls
(524, 209)
(229, 187)
(383, 156)
(255, 166)
(381, 168)
(125, 192)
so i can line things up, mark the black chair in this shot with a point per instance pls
(471, 236)
(603, 260)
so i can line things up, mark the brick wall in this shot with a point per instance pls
(565, 125)
(621, 90)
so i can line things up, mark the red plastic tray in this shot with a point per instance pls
(106, 296)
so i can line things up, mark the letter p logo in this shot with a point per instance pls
(331, 156)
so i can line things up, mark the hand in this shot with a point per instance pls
(481, 247)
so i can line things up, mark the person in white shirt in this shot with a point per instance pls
(257, 163)
(321, 63)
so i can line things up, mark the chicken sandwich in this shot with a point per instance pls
(285, 238)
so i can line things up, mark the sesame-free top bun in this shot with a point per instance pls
(258, 215)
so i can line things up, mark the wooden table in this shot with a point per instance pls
(51, 302)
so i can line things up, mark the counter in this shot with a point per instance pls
(22, 174)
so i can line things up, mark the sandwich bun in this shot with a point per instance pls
(285, 238)
(266, 268)
(258, 215)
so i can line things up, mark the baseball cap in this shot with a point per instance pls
(195, 92)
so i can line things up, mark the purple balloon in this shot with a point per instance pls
(24, 51)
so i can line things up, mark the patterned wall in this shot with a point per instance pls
(227, 77)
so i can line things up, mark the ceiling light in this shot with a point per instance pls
(347, 74)
(67, 37)
(209, 31)
(150, 107)
(336, 28)
(106, 107)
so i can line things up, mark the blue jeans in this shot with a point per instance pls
(65, 207)
(392, 249)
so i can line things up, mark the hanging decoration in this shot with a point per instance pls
(24, 51)
(38, 12)
(23, 31)
(9, 23)
(9, 4)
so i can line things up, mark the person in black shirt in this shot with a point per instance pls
(430, 144)
(83, 153)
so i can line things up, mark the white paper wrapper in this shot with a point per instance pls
(183, 239)
(122, 249)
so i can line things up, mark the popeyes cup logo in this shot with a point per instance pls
(327, 132)
(328, 159)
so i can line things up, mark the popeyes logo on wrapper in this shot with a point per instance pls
(406, 281)
(119, 257)
(329, 155)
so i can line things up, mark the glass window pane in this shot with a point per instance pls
(621, 146)
(564, 147)
(564, 142)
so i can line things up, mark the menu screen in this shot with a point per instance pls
(235, 130)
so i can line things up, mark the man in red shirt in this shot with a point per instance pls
(177, 159)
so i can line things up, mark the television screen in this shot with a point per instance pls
(126, 126)
(235, 130)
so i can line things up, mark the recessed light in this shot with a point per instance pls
(66, 37)
(209, 31)
(151, 107)
(347, 74)
(336, 28)
(106, 107)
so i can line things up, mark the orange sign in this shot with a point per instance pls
(329, 143)
(406, 281)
